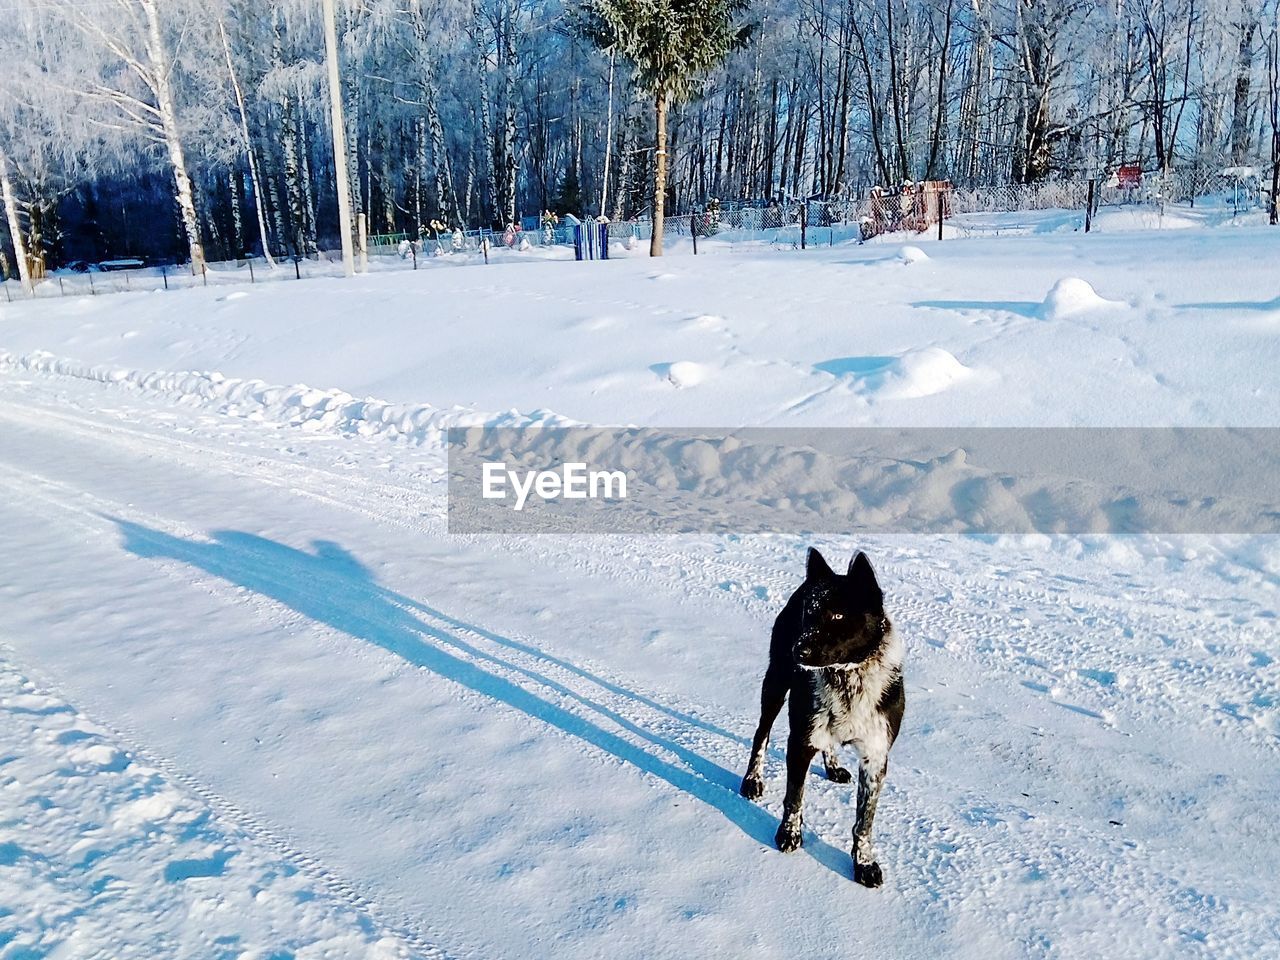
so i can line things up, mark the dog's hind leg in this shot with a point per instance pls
(835, 772)
(870, 779)
(800, 753)
(773, 694)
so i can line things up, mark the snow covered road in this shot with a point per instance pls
(507, 747)
(256, 702)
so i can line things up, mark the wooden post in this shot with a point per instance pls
(693, 231)
(804, 225)
(297, 270)
(1088, 209)
(164, 275)
(484, 246)
(92, 291)
(251, 279)
(413, 254)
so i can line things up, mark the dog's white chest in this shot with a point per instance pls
(852, 716)
(848, 707)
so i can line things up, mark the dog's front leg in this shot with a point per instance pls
(800, 753)
(871, 773)
(773, 694)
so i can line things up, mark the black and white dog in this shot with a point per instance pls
(835, 652)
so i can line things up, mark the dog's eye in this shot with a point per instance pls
(884, 624)
(837, 616)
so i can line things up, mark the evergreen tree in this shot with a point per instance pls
(569, 196)
(672, 44)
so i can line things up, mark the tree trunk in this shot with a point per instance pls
(1240, 115)
(419, 167)
(293, 181)
(159, 63)
(440, 156)
(15, 228)
(659, 173)
(510, 67)
(276, 207)
(254, 179)
(485, 134)
(608, 138)
(937, 156)
(626, 144)
(237, 216)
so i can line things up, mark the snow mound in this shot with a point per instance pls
(707, 321)
(682, 373)
(308, 408)
(1069, 297)
(910, 254)
(917, 373)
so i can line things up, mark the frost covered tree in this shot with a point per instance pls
(133, 74)
(673, 44)
(45, 139)
(152, 127)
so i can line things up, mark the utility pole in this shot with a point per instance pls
(339, 140)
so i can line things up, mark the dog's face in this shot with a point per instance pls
(843, 620)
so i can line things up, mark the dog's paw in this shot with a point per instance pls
(788, 837)
(868, 874)
(752, 788)
(839, 775)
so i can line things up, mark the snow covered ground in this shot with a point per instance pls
(256, 702)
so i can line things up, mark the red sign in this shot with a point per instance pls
(1129, 177)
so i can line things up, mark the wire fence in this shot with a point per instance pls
(97, 282)
(781, 224)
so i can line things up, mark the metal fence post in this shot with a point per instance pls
(164, 274)
(251, 279)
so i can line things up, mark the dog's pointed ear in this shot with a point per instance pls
(817, 567)
(862, 579)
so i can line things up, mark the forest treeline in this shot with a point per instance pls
(186, 128)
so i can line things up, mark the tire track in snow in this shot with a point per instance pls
(140, 791)
(940, 854)
(935, 845)
(254, 826)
